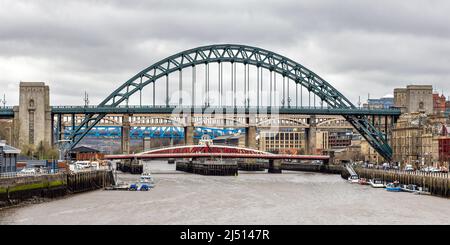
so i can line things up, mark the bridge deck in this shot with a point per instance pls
(9, 113)
(217, 110)
(216, 155)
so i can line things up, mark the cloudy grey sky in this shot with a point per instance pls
(358, 46)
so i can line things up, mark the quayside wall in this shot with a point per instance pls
(35, 188)
(437, 183)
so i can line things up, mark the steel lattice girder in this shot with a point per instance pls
(241, 54)
(139, 132)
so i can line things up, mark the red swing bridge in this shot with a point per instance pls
(207, 151)
(212, 151)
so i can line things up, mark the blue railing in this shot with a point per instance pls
(154, 132)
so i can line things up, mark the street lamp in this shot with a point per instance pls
(3, 101)
(61, 149)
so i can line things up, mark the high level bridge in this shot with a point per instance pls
(222, 86)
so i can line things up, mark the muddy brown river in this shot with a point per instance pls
(250, 198)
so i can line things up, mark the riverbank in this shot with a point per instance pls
(38, 188)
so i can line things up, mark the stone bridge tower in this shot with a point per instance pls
(32, 118)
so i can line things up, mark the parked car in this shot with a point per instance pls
(82, 164)
(28, 171)
(431, 169)
(409, 167)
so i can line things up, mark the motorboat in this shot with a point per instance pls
(146, 178)
(410, 188)
(363, 181)
(145, 182)
(353, 179)
(422, 191)
(376, 183)
(394, 186)
(140, 186)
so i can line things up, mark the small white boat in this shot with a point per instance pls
(354, 179)
(145, 182)
(376, 183)
(146, 178)
(410, 188)
(422, 191)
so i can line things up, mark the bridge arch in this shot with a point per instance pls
(246, 55)
(333, 122)
(280, 122)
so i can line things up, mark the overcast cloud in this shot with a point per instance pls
(358, 46)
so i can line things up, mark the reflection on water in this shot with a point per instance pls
(250, 198)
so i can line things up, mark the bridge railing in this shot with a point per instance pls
(48, 172)
(90, 169)
(415, 172)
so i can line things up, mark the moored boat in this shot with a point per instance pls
(376, 183)
(394, 186)
(146, 182)
(363, 181)
(422, 191)
(353, 179)
(146, 178)
(410, 188)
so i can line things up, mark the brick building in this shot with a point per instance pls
(439, 103)
(444, 149)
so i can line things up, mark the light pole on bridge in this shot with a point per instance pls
(3, 101)
(62, 151)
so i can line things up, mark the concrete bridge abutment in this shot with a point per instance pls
(275, 166)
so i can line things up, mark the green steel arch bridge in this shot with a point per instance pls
(283, 92)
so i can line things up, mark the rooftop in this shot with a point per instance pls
(84, 149)
(32, 84)
(7, 148)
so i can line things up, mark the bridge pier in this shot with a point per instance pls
(125, 140)
(275, 166)
(250, 132)
(189, 135)
(250, 137)
(310, 135)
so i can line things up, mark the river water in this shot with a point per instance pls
(250, 198)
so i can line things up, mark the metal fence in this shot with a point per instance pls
(415, 172)
(91, 169)
(48, 172)
(24, 174)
